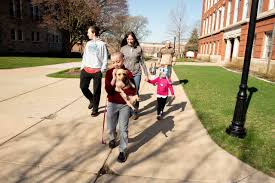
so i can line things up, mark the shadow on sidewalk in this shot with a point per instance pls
(161, 126)
(64, 138)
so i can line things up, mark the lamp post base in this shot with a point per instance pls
(236, 131)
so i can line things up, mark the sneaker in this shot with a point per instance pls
(121, 157)
(91, 105)
(135, 116)
(94, 113)
(112, 144)
(158, 117)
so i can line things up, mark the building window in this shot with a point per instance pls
(32, 36)
(11, 8)
(222, 18)
(19, 35)
(267, 45)
(218, 47)
(35, 14)
(35, 36)
(214, 48)
(271, 4)
(229, 12)
(253, 46)
(15, 8)
(13, 35)
(18, 8)
(236, 13)
(260, 6)
(245, 9)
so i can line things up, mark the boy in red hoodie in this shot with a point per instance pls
(117, 110)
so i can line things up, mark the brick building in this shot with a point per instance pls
(20, 32)
(224, 29)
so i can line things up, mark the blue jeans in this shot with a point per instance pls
(169, 68)
(118, 114)
(137, 79)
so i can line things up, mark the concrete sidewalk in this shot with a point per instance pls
(48, 135)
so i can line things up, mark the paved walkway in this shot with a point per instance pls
(48, 135)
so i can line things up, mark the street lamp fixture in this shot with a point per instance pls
(236, 128)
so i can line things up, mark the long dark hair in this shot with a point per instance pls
(124, 41)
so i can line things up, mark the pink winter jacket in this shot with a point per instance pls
(162, 86)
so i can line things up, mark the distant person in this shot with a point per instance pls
(117, 110)
(133, 61)
(94, 63)
(164, 84)
(153, 70)
(167, 57)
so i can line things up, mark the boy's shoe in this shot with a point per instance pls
(135, 116)
(91, 105)
(94, 113)
(122, 157)
(112, 144)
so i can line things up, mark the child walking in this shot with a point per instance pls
(117, 110)
(153, 70)
(163, 86)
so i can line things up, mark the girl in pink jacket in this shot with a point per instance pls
(163, 85)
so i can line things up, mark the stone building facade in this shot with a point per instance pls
(152, 49)
(21, 31)
(224, 29)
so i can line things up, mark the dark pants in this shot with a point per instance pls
(85, 79)
(161, 104)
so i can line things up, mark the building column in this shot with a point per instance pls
(236, 48)
(227, 50)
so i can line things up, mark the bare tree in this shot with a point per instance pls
(138, 24)
(72, 17)
(122, 25)
(177, 25)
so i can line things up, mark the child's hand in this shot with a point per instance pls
(114, 73)
(146, 79)
(173, 97)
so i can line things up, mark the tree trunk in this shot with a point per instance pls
(66, 45)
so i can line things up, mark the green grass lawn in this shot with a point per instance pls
(212, 92)
(18, 62)
(67, 73)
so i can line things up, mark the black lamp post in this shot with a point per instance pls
(237, 126)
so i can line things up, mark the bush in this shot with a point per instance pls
(237, 64)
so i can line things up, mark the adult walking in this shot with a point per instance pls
(167, 58)
(133, 61)
(94, 63)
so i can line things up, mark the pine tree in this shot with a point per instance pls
(192, 44)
